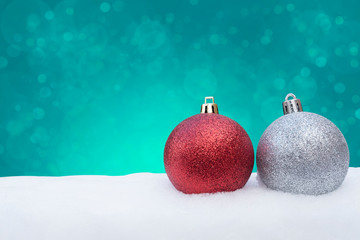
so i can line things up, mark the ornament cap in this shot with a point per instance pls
(209, 107)
(292, 105)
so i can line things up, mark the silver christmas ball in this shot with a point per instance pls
(302, 152)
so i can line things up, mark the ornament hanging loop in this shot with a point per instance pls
(209, 107)
(293, 105)
(290, 95)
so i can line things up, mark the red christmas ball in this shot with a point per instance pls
(208, 153)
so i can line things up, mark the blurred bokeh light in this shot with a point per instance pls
(96, 87)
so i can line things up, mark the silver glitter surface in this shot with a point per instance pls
(302, 153)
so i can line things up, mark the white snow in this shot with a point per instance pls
(147, 206)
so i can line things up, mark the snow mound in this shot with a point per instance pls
(147, 206)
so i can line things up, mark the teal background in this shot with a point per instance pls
(96, 87)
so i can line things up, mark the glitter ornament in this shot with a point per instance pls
(208, 153)
(302, 152)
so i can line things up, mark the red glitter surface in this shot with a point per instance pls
(208, 153)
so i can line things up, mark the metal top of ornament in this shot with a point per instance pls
(209, 107)
(293, 105)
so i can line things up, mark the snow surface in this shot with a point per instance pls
(147, 206)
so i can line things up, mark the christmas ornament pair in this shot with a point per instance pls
(300, 152)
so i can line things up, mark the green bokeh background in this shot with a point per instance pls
(96, 87)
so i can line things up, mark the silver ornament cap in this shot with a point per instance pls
(302, 152)
(292, 105)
